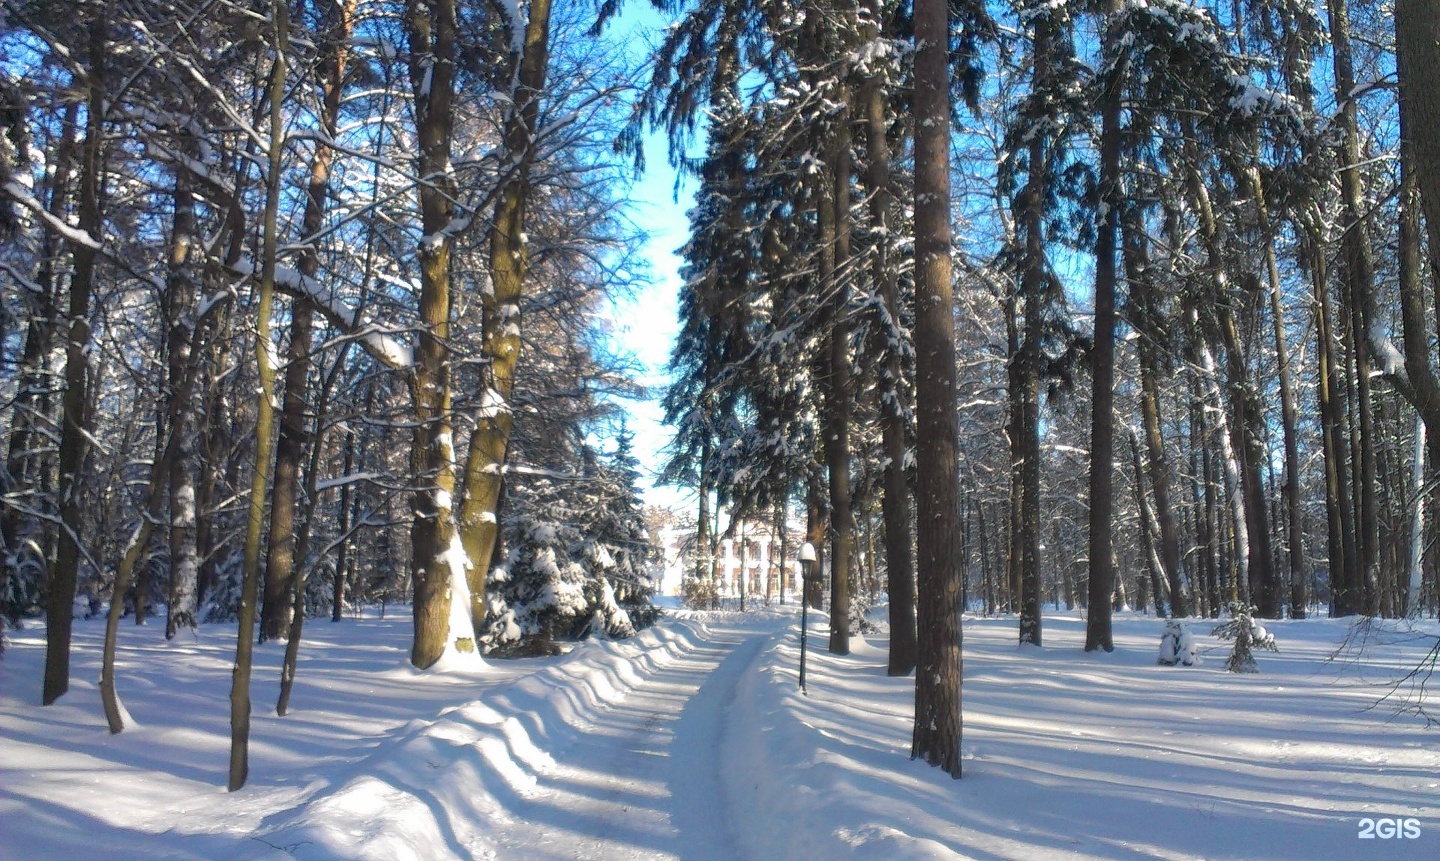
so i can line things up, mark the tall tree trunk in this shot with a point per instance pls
(834, 237)
(1360, 289)
(179, 309)
(1416, 556)
(1206, 504)
(1149, 530)
(1289, 414)
(1015, 391)
(1235, 493)
(437, 562)
(74, 430)
(895, 500)
(1248, 446)
(702, 525)
(302, 541)
(936, 733)
(342, 552)
(1246, 419)
(490, 440)
(1098, 634)
(1147, 312)
(1340, 515)
(1026, 362)
(1417, 47)
(783, 534)
(24, 468)
(210, 483)
(337, 32)
(142, 580)
(281, 562)
(265, 410)
(1417, 42)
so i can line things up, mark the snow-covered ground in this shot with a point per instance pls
(692, 741)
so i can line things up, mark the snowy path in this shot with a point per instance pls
(643, 781)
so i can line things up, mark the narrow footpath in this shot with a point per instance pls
(644, 781)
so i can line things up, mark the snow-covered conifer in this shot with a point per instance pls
(1247, 635)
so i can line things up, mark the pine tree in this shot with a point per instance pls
(1036, 318)
(1247, 635)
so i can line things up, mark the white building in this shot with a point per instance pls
(753, 548)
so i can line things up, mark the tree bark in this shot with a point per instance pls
(479, 525)
(74, 430)
(1244, 423)
(834, 237)
(1417, 47)
(431, 27)
(1149, 531)
(281, 562)
(337, 44)
(179, 309)
(32, 399)
(703, 572)
(1360, 289)
(1146, 321)
(1027, 360)
(1289, 413)
(815, 519)
(1098, 633)
(936, 733)
(1340, 514)
(342, 553)
(265, 410)
(1207, 512)
(895, 500)
(1417, 43)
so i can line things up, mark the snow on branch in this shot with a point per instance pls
(383, 347)
(342, 480)
(70, 231)
(1391, 361)
(432, 241)
(492, 405)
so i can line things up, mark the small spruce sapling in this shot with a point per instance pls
(1248, 635)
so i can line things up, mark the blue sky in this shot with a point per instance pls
(644, 324)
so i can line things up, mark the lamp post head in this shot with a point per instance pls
(807, 559)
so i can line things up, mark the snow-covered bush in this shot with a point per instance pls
(222, 603)
(1177, 646)
(1248, 635)
(860, 607)
(23, 592)
(699, 593)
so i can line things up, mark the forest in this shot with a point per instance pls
(1054, 303)
(1194, 302)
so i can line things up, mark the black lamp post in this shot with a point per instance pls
(807, 570)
